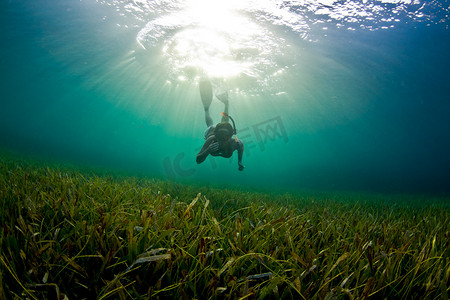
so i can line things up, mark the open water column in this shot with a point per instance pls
(330, 95)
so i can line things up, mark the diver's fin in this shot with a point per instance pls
(223, 97)
(206, 93)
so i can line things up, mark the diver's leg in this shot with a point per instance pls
(225, 115)
(224, 99)
(206, 96)
(208, 119)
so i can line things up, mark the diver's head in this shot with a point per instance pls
(223, 135)
(223, 131)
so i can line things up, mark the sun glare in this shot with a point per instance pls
(217, 39)
(205, 46)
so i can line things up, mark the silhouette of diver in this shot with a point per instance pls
(219, 138)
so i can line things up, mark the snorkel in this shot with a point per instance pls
(234, 125)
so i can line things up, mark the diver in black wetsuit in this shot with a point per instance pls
(219, 138)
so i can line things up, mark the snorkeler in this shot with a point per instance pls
(219, 138)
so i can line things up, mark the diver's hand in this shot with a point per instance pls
(241, 167)
(214, 147)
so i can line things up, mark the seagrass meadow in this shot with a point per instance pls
(76, 234)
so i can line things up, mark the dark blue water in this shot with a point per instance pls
(331, 95)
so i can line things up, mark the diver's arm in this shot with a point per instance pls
(240, 154)
(207, 148)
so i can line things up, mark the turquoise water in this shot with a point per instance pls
(327, 95)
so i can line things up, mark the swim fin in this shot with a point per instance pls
(206, 93)
(223, 97)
